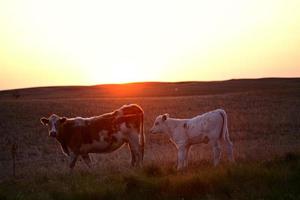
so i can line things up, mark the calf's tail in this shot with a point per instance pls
(224, 130)
(225, 135)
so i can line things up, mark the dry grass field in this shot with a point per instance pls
(264, 126)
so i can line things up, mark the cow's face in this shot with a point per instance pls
(159, 125)
(53, 123)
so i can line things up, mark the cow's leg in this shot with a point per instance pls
(136, 154)
(216, 152)
(133, 156)
(182, 152)
(86, 159)
(73, 159)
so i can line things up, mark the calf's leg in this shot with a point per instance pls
(181, 157)
(216, 152)
(186, 156)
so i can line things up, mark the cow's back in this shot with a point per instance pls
(131, 109)
(100, 124)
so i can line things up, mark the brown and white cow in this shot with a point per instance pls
(99, 134)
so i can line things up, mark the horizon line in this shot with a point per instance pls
(141, 82)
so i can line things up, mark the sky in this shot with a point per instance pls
(60, 42)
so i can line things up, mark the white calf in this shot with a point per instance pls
(209, 127)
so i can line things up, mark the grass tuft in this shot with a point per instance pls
(275, 179)
(153, 170)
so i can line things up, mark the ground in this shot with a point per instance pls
(264, 126)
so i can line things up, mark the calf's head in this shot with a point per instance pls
(54, 122)
(159, 125)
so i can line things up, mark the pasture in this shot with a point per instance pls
(264, 126)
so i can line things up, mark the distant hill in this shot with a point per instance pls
(158, 89)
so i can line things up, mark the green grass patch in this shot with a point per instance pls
(275, 179)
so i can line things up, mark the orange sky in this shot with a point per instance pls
(62, 42)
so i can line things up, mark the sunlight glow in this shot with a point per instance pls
(63, 42)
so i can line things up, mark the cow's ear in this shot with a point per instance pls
(44, 121)
(165, 117)
(63, 120)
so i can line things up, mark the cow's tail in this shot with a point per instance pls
(142, 135)
(225, 135)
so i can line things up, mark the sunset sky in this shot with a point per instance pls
(61, 42)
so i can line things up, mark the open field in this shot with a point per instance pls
(264, 124)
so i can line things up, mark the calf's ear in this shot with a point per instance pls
(63, 120)
(165, 116)
(44, 121)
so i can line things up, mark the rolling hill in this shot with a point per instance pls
(158, 89)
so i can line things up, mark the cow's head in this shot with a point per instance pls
(53, 122)
(159, 125)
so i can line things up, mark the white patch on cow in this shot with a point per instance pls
(102, 145)
(53, 120)
(118, 137)
(118, 140)
(124, 128)
(103, 135)
(53, 129)
(94, 147)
